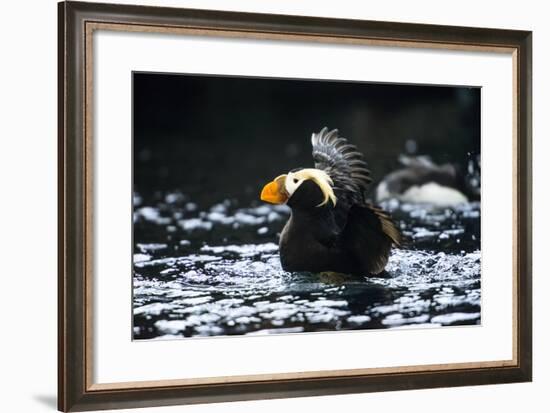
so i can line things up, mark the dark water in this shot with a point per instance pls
(203, 270)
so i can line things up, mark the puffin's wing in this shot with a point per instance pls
(370, 233)
(367, 230)
(341, 161)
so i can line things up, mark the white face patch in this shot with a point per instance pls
(295, 179)
(292, 182)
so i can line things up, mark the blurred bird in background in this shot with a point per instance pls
(422, 181)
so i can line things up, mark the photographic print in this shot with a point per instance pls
(274, 206)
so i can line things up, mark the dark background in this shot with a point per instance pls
(224, 137)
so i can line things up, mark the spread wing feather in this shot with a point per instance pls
(342, 161)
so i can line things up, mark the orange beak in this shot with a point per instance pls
(274, 192)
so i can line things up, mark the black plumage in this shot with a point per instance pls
(348, 236)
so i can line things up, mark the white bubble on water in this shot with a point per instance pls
(454, 317)
(141, 257)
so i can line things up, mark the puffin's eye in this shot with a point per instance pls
(295, 180)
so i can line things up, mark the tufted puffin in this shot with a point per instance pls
(332, 227)
(420, 180)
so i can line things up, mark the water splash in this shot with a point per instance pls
(215, 270)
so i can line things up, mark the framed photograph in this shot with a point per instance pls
(262, 206)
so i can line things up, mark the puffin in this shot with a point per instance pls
(332, 227)
(421, 181)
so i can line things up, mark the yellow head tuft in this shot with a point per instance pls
(322, 179)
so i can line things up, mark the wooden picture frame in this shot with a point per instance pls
(77, 21)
